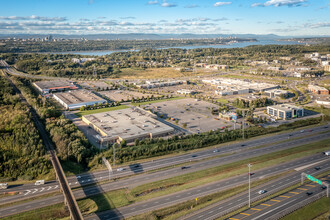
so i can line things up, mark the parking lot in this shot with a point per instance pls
(119, 95)
(197, 115)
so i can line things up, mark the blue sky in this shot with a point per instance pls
(282, 17)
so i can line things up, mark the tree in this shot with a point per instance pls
(82, 108)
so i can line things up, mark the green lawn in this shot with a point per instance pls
(223, 101)
(311, 211)
(156, 101)
(88, 112)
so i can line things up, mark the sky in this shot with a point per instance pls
(281, 17)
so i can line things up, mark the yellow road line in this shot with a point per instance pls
(286, 196)
(234, 218)
(275, 200)
(294, 193)
(242, 213)
(301, 188)
(265, 204)
(256, 209)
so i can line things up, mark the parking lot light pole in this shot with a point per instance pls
(249, 165)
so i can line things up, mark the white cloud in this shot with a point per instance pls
(168, 5)
(278, 3)
(153, 2)
(217, 4)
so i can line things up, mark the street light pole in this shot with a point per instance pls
(249, 165)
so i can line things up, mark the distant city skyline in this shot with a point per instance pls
(281, 17)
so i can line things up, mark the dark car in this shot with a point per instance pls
(290, 135)
(317, 168)
(243, 145)
(323, 187)
(309, 193)
(183, 168)
(194, 155)
(136, 165)
(250, 174)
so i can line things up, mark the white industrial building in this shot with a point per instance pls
(76, 99)
(126, 124)
(285, 111)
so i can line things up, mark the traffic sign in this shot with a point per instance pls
(313, 179)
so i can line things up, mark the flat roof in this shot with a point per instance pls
(128, 123)
(54, 84)
(78, 96)
(285, 107)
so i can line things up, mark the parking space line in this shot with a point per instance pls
(285, 196)
(275, 200)
(256, 209)
(265, 204)
(242, 213)
(302, 188)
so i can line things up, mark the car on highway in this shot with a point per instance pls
(262, 191)
(216, 150)
(136, 165)
(194, 155)
(302, 131)
(290, 135)
(310, 130)
(183, 168)
(317, 168)
(323, 187)
(120, 169)
(309, 193)
(243, 145)
(251, 174)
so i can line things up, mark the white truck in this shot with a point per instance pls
(3, 185)
(39, 182)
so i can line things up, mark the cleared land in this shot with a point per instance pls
(119, 95)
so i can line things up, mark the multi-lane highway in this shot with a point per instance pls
(29, 191)
(165, 200)
(87, 178)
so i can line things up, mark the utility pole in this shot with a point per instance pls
(243, 123)
(114, 156)
(249, 165)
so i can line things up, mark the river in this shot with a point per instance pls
(234, 45)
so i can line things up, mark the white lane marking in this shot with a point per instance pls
(35, 190)
(42, 189)
(28, 191)
(56, 187)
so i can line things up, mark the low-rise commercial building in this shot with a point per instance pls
(285, 111)
(127, 124)
(46, 87)
(76, 99)
(186, 92)
(318, 90)
(276, 93)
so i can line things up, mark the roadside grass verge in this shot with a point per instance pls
(223, 101)
(181, 209)
(158, 100)
(270, 197)
(186, 181)
(88, 112)
(51, 212)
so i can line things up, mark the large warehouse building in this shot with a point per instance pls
(46, 87)
(285, 111)
(126, 124)
(75, 99)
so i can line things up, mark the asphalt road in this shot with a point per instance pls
(163, 201)
(175, 198)
(272, 208)
(164, 174)
(219, 209)
(88, 178)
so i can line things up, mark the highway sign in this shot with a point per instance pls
(313, 179)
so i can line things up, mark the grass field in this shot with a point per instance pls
(311, 211)
(223, 101)
(150, 73)
(88, 112)
(156, 101)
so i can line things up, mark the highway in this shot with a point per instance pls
(69, 198)
(163, 201)
(164, 174)
(226, 206)
(87, 178)
(274, 208)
